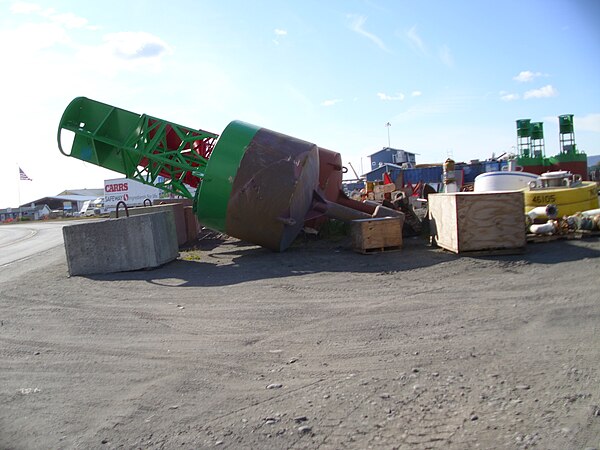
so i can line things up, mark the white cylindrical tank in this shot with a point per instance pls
(503, 181)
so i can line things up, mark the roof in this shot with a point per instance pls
(23, 209)
(83, 192)
(385, 165)
(56, 201)
(75, 198)
(390, 149)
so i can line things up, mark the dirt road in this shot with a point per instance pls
(318, 347)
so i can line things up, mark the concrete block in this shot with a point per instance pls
(178, 217)
(168, 201)
(118, 245)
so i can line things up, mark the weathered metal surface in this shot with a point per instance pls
(273, 190)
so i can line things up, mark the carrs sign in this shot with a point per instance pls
(133, 193)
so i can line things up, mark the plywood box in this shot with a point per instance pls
(384, 188)
(477, 221)
(377, 234)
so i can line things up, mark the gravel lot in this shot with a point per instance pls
(233, 346)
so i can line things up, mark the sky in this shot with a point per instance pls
(450, 77)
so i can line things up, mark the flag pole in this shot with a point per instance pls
(19, 190)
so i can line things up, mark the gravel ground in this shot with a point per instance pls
(232, 346)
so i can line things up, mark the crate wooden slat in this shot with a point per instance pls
(476, 221)
(571, 235)
(377, 234)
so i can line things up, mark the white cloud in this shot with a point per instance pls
(543, 92)
(591, 122)
(419, 46)
(24, 8)
(32, 37)
(451, 103)
(135, 45)
(507, 97)
(526, 76)
(397, 97)
(279, 33)
(68, 20)
(331, 102)
(446, 56)
(356, 25)
(415, 40)
(416, 93)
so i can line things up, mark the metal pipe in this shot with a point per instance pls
(549, 211)
(591, 212)
(125, 206)
(548, 227)
(384, 211)
(337, 211)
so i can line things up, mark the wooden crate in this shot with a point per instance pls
(478, 221)
(377, 234)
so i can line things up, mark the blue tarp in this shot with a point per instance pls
(434, 174)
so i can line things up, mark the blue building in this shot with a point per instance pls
(389, 155)
(390, 160)
(393, 170)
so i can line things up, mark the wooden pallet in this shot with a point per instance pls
(579, 234)
(371, 251)
(491, 252)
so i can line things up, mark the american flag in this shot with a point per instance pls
(23, 176)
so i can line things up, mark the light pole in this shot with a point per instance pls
(388, 125)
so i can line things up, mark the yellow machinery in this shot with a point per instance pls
(566, 191)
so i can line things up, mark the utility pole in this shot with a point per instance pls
(388, 125)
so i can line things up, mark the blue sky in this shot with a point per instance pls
(451, 77)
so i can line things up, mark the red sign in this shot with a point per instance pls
(117, 187)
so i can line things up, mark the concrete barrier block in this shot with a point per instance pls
(168, 201)
(118, 245)
(178, 217)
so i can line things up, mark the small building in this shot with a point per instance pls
(36, 212)
(32, 212)
(389, 155)
(68, 205)
(9, 214)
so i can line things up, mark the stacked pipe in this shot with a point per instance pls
(586, 220)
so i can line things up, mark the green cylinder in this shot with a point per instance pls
(212, 197)
(537, 130)
(258, 185)
(523, 128)
(565, 123)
